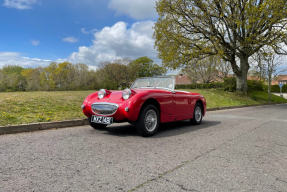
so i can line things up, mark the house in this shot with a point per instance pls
(182, 79)
(280, 79)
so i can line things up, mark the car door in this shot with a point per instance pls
(166, 100)
(182, 105)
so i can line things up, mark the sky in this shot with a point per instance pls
(36, 32)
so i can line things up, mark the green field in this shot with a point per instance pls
(29, 107)
(219, 98)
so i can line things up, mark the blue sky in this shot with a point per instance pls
(36, 32)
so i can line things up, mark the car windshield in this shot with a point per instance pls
(154, 82)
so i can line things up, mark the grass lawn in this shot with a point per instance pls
(29, 107)
(219, 98)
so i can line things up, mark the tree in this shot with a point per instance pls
(270, 69)
(259, 67)
(144, 67)
(231, 29)
(32, 77)
(113, 76)
(12, 80)
(267, 66)
(204, 70)
(224, 69)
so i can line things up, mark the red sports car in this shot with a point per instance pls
(149, 102)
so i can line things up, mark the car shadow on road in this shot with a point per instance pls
(165, 130)
(182, 127)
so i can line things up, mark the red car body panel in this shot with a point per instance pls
(174, 105)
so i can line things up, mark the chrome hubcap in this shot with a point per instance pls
(150, 120)
(197, 114)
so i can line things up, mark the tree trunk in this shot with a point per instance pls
(269, 90)
(269, 84)
(241, 78)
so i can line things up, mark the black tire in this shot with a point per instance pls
(147, 127)
(96, 125)
(197, 117)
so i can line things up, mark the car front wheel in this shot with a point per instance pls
(197, 115)
(148, 121)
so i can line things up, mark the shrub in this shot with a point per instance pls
(229, 84)
(200, 86)
(254, 85)
(276, 88)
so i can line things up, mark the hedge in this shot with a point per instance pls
(229, 84)
(200, 85)
(276, 88)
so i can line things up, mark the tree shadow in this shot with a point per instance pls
(165, 130)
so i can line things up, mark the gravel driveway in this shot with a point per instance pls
(233, 150)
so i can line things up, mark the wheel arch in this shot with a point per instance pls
(151, 101)
(199, 101)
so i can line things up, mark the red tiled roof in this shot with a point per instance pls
(282, 77)
(182, 80)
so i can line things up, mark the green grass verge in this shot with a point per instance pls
(219, 98)
(29, 107)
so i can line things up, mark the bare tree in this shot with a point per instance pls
(224, 69)
(272, 62)
(259, 65)
(203, 70)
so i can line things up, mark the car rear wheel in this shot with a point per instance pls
(148, 121)
(96, 125)
(197, 115)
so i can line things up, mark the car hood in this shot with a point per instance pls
(112, 96)
(115, 96)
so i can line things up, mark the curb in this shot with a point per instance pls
(42, 126)
(80, 122)
(242, 106)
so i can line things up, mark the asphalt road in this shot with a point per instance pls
(233, 150)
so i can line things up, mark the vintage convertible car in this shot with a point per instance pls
(149, 102)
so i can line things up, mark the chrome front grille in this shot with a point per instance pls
(104, 108)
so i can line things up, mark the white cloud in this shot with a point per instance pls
(118, 42)
(19, 4)
(137, 9)
(35, 43)
(15, 58)
(70, 40)
(86, 32)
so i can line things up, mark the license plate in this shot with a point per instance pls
(102, 120)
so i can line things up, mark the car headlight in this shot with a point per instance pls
(126, 94)
(102, 93)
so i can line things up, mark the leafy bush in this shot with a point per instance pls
(255, 85)
(276, 88)
(229, 84)
(200, 86)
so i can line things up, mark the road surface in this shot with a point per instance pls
(233, 150)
